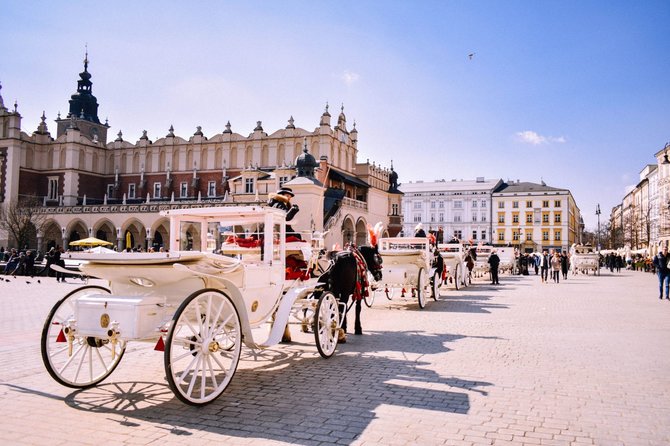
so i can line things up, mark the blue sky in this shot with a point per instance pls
(576, 93)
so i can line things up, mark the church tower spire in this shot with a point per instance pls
(84, 109)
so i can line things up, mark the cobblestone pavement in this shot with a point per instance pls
(583, 362)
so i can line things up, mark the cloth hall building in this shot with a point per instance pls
(114, 190)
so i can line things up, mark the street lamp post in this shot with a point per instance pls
(598, 233)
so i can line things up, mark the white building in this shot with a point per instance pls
(461, 208)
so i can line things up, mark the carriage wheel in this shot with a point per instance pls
(435, 286)
(326, 324)
(457, 276)
(203, 347)
(421, 288)
(389, 292)
(73, 360)
(372, 289)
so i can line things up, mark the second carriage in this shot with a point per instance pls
(408, 269)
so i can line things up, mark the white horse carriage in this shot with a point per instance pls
(455, 267)
(483, 253)
(584, 259)
(197, 306)
(408, 268)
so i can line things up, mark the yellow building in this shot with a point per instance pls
(533, 217)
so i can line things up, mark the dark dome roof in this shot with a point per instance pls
(305, 159)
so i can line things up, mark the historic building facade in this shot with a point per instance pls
(456, 208)
(115, 190)
(533, 217)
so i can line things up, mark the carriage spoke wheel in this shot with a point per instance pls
(372, 290)
(203, 347)
(421, 288)
(457, 276)
(435, 286)
(326, 324)
(73, 360)
(389, 292)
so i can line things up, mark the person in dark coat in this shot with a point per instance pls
(282, 200)
(661, 264)
(494, 261)
(418, 231)
(564, 265)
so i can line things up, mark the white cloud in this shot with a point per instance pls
(534, 138)
(349, 77)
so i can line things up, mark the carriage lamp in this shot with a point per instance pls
(113, 334)
(69, 331)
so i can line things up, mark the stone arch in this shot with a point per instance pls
(61, 160)
(94, 162)
(175, 159)
(248, 156)
(50, 158)
(52, 235)
(203, 158)
(189, 237)
(104, 229)
(348, 230)
(136, 162)
(160, 233)
(30, 155)
(133, 234)
(161, 161)
(361, 232)
(189, 160)
(281, 155)
(148, 161)
(218, 158)
(75, 230)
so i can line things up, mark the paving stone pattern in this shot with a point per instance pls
(583, 362)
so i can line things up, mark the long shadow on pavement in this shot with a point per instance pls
(303, 400)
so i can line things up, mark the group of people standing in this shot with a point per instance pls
(23, 263)
(556, 262)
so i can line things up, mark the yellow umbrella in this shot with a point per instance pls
(89, 242)
(129, 243)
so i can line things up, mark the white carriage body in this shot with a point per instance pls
(403, 258)
(147, 288)
(507, 259)
(454, 259)
(584, 259)
(482, 262)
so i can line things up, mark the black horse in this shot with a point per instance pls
(342, 278)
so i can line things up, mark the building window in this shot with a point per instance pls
(515, 218)
(441, 216)
(417, 205)
(441, 205)
(474, 217)
(501, 236)
(483, 217)
(432, 218)
(432, 205)
(474, 235)
(394, 209)
(557, 218)
(501, 218)
(52, 193)
(545, 203)
(474, 203)
(211, 189)
(157, 190)
(458, 234)
(529, 203)
(529, 217)
(545, 236)
(557, 235)
(417, 218)
(248, 185)
(545, 218)
(484, 204)
(515, 205)
(501, 205)
(283, 180)
(183, 190)
(110, 190)
(131, 190)
(484, 235)
(529, 235)
(516, 235)
(557, 203)
(458, 204)
(457, 218)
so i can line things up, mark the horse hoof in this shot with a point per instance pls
(286, 340)
(305, 327)
(341, 336)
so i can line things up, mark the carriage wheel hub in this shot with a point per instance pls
(213, 347)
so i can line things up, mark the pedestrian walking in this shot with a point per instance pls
(661, 265)
(556, 267)
(564, 265)
(494, 261)
(544, 266)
